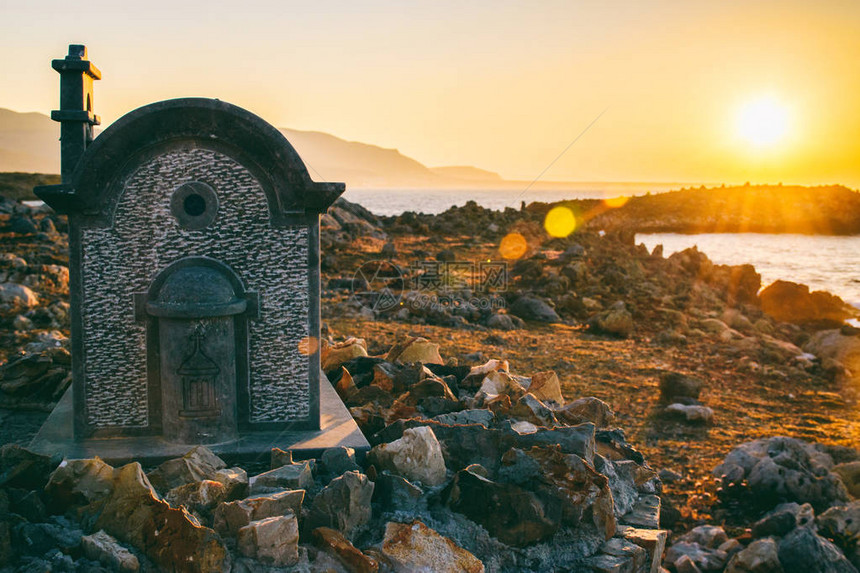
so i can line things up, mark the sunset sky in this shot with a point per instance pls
(693, 91)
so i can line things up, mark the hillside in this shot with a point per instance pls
(29, 143)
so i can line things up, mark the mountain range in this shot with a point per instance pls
(29, 143)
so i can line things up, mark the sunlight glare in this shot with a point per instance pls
(763, 122)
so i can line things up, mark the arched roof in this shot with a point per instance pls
(93, 189)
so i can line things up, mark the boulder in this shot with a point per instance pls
(619, 554)
(229, 517)
(546, 387)
(272, 541)
(833, 346)
(616, 322)
(395, 493)
(842, 525)
(79, 482)
(24, 469)
(530, 308)
(415, 547)
(792, 302)
(234, 480)
(782, 469)
(335, 544)
(417, 456)
(684, 554)
(803, 551)
(693, 413)
(106, 550)
(15, 296)
(530, 409)
(336, 461)
(344, 504)
(849, 472)
(760, 556)
(199, 497)
(675, 385)
(291, 476)
(513, 515)
(198, 464)
(172, 538)
(653, 541)
(588, 409)
(415, 350)
(335, 355)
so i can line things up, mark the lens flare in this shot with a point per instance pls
(560, 222)
(308, 345)
(513, 246)
(615, 202)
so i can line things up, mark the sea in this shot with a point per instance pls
(821, 262)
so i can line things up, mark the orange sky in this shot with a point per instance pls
(501, 85)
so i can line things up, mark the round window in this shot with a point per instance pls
(194, 204)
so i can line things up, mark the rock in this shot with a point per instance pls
(614, 322)
(496, 384)
(79, 482)
(782, 519)
(336, 461)
(198, 464)
(588, 409)
(675, 385)
(792, 302)
(512, 514)
(504, 322)
(339, 547)
(693, 413)
(446, 256)
(653, 541)
(532, 410)
(199, 498)
(417, 456)
(710, 536)
(396, 493)
(781, 469)
(759, 557)
(802, 551)
(477, 416)
(842, 524)
(170, 537)
(234, 480)
(334, 356)
(229, 517)
(15, 296)
(22, 468)
(273, 541)
(106, 550)
(279, 457)
(415, 350)
(546, 387)
(530, 308)
(37, 539)
(832, 345)
(619, 555)
(850, 474)
(415, 547)
(344, 504)
(645, 513)
(292, 476)
(702, 558)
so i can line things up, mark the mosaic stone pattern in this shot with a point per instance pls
(146, 238)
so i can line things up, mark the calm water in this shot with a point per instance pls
(433, 201)
(823, 263)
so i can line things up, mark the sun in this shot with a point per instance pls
(763, 122)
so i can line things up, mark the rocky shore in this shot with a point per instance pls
(584, 405)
